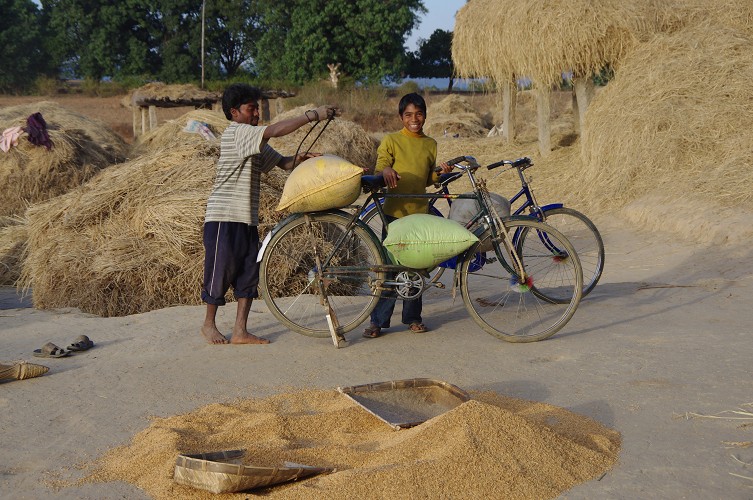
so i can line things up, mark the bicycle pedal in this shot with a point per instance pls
(439, 285)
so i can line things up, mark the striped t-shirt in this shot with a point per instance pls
(244, 156)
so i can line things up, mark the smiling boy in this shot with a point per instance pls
(407, 156)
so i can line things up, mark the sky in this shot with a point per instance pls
(440, 15)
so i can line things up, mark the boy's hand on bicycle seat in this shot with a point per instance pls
(390, 177)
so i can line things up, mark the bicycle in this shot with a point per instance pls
(576, 227)
(322, 273)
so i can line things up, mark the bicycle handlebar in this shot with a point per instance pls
(524, 162)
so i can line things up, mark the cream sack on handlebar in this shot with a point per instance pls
(421, 241)
(463, 210)
(321, 183)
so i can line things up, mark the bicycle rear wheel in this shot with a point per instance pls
(585, 238)
(519, 312)
(288, 273)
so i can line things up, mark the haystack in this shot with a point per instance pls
(676, 118)
(129, 241)
(341, 137)
(12, 240)
(31, 174)
(172, 133)
(454, 116)
(538, 39)
(174, 95)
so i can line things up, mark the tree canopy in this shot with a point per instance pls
(283, 40)
(433, 59)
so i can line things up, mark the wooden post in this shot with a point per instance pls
(583, 93)
(543, 110)
(509, 105)
(279, 106)
(265, 110)
(143, 119)
(135, 120)
(152, 117)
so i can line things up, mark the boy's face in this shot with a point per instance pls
(413, 118)
(247, 113)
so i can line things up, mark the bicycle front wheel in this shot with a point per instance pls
(288, 276)
(585, 238)
(515, 310)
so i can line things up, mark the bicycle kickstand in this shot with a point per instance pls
(334, 326)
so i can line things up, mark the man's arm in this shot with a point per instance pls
(285, 127)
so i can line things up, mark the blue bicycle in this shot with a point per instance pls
(577, 228)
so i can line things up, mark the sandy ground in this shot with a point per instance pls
(667, 331)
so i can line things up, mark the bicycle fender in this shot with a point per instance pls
(552, 206)
(272, 232)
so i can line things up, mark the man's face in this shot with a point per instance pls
(413, 118)
(247, 113)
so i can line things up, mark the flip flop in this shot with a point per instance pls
(50, 350)
(372, 332)
(82, 343)
(417, 327)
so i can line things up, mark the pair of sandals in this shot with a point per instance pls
(50, 350)
(374, 331)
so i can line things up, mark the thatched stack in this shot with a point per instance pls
(30, 174)
(172, 134)
(540, 39)
(454, 116)
(174, 95)
(677, 117)
(129, 241)
(341, 137)
(12, 240)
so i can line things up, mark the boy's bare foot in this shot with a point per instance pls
(247, 338)
(213, 336)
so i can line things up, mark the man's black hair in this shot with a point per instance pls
(414, 99)
(238, 94)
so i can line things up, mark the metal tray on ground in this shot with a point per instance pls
(406, 403)
(219, 472)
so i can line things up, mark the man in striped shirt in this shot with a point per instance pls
(231, 237)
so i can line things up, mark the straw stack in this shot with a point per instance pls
(81, 147)
(129, 241)
(454, 116)
(12, 240)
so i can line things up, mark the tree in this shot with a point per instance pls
(232, 27)
(98, 39)
(300, 37)
(22, 58)
(433, 59)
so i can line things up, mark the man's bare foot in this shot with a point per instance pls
(213, 336)
(247, 338)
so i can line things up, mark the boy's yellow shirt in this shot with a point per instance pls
(413, 156)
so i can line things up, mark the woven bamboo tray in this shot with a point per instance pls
(216, 473)
(406, 403)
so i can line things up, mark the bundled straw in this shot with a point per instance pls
(676, 119)
(342, 138)
(12, 240)
(129, 241)
(21, 371)
(171, 133)
(30, 174)
(541, 39)
(454, 116)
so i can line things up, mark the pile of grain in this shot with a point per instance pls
(489, 447)
(454, 116)
(129, 241)
(81, 148)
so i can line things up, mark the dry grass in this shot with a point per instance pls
(12, 241)
(171, 134)
(31, 174)
(541, 39)
(129, 241)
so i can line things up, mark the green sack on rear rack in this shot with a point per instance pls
(422, 241)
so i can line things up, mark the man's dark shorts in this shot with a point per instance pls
(230, 250)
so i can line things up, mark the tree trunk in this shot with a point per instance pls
(449, 86)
